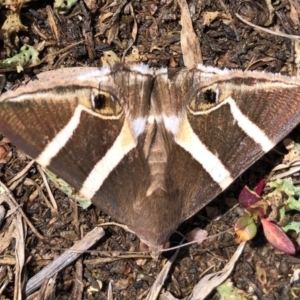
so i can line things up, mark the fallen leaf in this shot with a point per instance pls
(197, 234)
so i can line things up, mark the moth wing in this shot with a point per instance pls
(81, 123)
(221, 122)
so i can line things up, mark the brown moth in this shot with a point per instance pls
(150, 147)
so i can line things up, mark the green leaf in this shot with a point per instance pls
(286, 187)
(68, 190)
(245, 228)
(293, 225)
(228, 291)
(27, 56)
(63, 6)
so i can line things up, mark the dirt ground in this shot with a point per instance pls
(152, 30)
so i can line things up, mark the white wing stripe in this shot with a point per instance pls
(60, 140)
(122, 145)
(253, 131)
(188, 140)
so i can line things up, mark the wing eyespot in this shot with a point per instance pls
(106, 104)
(204, 99)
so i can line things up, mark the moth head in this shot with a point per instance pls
(104, 104)
(208, 97)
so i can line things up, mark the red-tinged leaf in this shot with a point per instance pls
(196, 235)
(259, 208)
(245, 228)
(128, 270)
(247, 197)
(277, 238)
(260, 187)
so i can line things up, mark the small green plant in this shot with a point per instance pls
(28, 55)
(63, 6)
(228, 291)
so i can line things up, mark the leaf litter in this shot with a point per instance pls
(123, 25)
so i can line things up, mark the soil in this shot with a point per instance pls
(153, 27)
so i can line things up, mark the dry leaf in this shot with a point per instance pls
(189, 41)
(91, 5)
(3, 152)
(261, 275)
(294, 14)
(6, 237)
(209, 17)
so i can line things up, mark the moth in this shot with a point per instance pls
(150, 147)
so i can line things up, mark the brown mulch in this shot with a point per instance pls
(153, 27)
